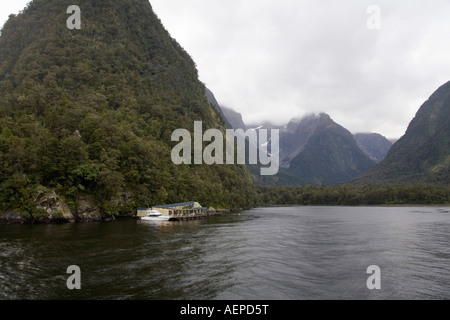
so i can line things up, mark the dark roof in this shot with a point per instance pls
(182, 204)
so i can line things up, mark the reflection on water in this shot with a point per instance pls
(264, 253)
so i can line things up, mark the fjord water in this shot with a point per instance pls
(265, 253)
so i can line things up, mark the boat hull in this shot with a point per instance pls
(160, 218)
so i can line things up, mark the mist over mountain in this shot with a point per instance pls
(234, 118)
(296, 135)
(316, 150)
(330, 155)
(221, 110)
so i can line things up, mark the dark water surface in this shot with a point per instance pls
(265, 253)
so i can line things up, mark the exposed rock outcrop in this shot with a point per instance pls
(12, 217)
(51, 208)
(54, 208)
(86, 210)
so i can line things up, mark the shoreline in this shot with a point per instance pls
(217, 212)
(20, 220)
(354, 205)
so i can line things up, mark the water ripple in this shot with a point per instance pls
(264, 253)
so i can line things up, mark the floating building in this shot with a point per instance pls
(177, 211)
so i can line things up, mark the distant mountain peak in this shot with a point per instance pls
(330, 154)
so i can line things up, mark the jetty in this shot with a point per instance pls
(181, 211)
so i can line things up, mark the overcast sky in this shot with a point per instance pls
(275, 60)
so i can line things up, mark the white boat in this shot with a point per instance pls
(155, 215)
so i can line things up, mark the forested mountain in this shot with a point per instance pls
(89, 113)
(422, 155)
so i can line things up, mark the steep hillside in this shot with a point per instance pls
(422, 155)
(219, 109)
(89, 113)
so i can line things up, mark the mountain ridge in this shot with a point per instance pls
(422, 154)
(331, 156)
(302, 162)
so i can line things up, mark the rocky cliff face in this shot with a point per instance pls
(51, 208)
(54, 208)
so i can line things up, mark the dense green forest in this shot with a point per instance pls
(352, 195)
(91, 111)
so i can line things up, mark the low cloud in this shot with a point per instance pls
(277, 60)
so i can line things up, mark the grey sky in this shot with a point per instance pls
(274, 60)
